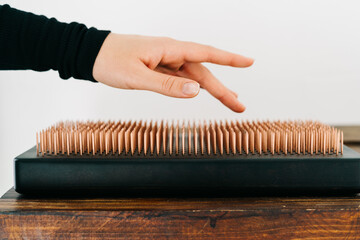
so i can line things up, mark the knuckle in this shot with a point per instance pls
(168, 83)
(206, 48)
(209, 47)
(209, 52)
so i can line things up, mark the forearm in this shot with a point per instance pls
(29, 41)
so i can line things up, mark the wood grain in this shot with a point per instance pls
(327, 217)
(205, 224)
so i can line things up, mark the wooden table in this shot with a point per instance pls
(336, 217)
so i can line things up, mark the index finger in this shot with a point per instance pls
(195, 52)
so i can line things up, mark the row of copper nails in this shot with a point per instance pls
(189, 138)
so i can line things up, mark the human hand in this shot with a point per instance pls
(165, 66)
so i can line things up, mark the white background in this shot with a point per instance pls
(307, 65)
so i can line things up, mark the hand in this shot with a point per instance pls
(165, 66)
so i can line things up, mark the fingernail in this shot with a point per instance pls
(190, 88)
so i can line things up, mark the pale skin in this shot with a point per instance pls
(166, 66)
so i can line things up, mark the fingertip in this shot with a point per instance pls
(232, 103)
(239, 108)
(242, 61)
(247, 62)
(242, 109)
(250, 61)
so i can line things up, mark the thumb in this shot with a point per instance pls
(169, 85)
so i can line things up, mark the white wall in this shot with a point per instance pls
(307, 65)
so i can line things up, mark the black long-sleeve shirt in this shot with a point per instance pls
(29, 41)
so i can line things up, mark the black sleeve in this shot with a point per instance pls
(29, 41)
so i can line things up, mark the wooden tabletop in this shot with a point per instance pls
(181, 218)
(321, 217)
